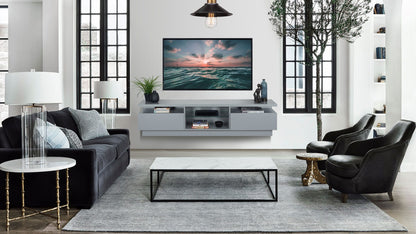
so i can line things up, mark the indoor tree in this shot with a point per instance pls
(319, 22)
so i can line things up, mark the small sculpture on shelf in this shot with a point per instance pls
(264, 91)
(257, 95)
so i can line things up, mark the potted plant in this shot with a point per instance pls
(147, 85)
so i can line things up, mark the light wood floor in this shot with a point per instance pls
(403, 208)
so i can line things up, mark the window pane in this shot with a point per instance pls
(300, 69)
(122, 53)
(85, 101)
(2, 77)
(327, 100)
(85, 6)
(122, 6)
(4, 22)
(85, 85)
(112, 6)
(95, 67)
(122, 69)
(93, 80)
(327, 85)
(289, 41)
(328, 53)
(85, 53)
(122, 102)
(300, 85)
(95, 53)
(112, 37)
(290, 53)
(95, 6)
(4, 55)
(300, 101)
(85, 69)
(85, 21)
(290, 101)
(290, 84)
(122, 21)
(300, 53)
(85, 38)
(95, 37)
(111, 70)
(95, 102)
(112, 53)
(123, 83)
(122, 37)
(4, 112)
(290, 69)
(95, 22)
(112, 22)
(327, 69)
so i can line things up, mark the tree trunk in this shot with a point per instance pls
(318, 100)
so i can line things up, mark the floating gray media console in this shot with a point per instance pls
(179, 121)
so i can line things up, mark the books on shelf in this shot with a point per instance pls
(252, 110)
(381, 125)
(380, 53)
(161, 110)
(200, 124)
(378, 9)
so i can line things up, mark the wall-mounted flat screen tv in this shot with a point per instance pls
(207, 64)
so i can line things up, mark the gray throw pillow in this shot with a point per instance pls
(74, 141)
(90, 125)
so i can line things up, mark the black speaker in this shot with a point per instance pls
(219, 124)
(206, 113)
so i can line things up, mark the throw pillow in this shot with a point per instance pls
(74, 141)
(54, 138)
(90, 124)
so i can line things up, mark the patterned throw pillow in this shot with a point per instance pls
(54, 138)
(74, 141)
(90, 125)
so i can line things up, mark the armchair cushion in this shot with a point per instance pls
(346, 166)
(324, 147)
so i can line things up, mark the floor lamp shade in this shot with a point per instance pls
(30, 89)
(108, 92)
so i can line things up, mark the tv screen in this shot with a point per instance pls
(207, 64)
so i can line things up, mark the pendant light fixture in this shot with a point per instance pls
(211, 10)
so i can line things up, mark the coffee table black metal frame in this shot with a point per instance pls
(160, 173)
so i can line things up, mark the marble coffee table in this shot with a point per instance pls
(262, 165)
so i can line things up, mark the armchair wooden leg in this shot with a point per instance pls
(344, 198)
(390, 195)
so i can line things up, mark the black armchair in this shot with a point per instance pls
(336, 142)
(370, 166)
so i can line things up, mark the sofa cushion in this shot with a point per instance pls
(346, 166)
(63, 118)
(106, 154)
(13, 130)
(73, 139)
(120, 141)
(90, 124)
(324, 147)
(53, 137)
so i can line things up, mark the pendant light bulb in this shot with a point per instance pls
(211, 20)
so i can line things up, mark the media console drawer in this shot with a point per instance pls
(170, 121)
(253, 121)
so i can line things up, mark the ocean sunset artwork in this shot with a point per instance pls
(207, 64)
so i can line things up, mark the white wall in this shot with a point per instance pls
(50, 31)
(408, 76)
(153, 20)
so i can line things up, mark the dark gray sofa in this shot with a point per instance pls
(99, 164)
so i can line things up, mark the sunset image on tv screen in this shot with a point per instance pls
(200, 64)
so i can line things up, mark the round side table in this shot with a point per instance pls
(51, 164)
(312, 171)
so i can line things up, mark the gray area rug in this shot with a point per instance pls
(125, 207)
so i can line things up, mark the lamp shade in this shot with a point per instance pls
(108, 89)
(211, 7)
(23, 88)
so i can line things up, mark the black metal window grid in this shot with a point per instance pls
(4, 61)
(102, 49)
(299, 78)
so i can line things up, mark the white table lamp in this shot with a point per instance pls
(108, 92)
(32, 89)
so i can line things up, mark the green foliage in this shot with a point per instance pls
(147, 84)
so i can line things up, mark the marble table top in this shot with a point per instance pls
(213, 163)
(51, 164)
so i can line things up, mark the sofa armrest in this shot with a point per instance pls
(118, 131)
(342, 142)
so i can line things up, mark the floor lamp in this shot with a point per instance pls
(31, 90)
(109, 92)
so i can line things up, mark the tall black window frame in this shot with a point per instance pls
(299, 77)
(110, 26)
(3, 71)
